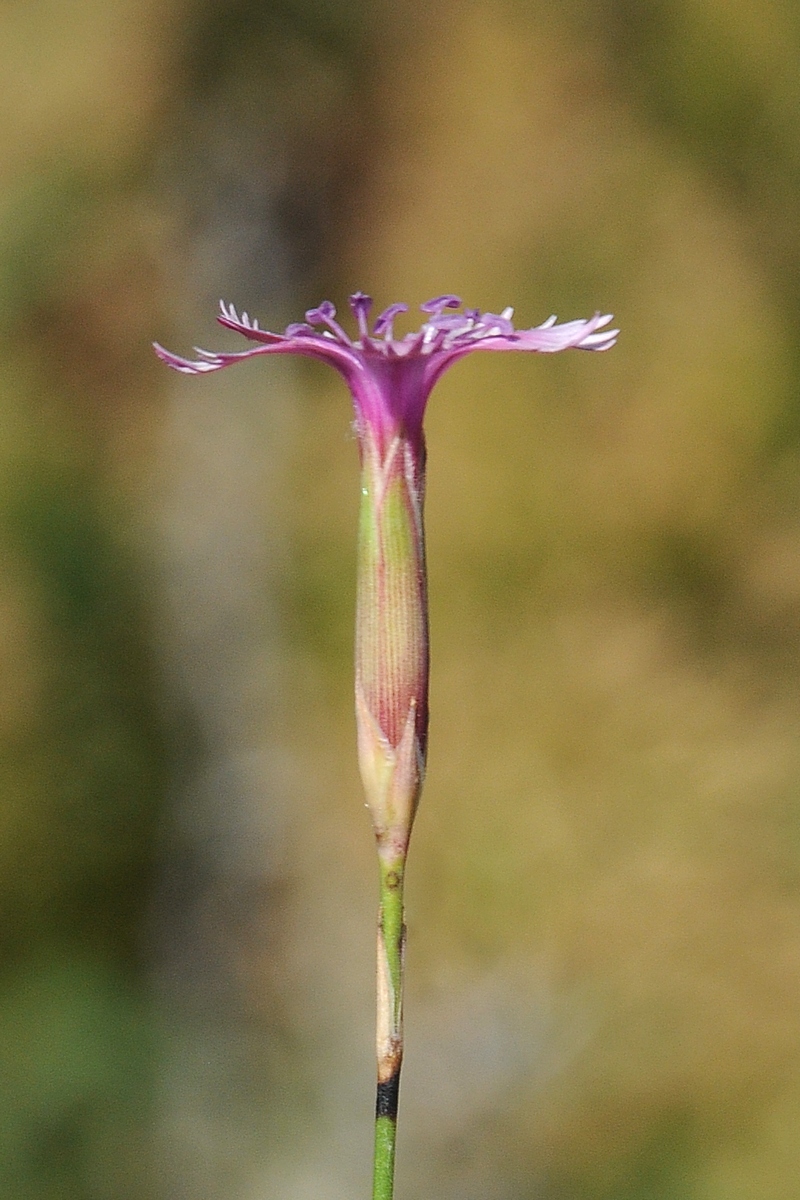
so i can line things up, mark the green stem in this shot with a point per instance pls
(391, 946)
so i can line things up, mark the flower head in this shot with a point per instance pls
(391, 378)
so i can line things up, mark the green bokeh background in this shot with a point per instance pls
(604, 901)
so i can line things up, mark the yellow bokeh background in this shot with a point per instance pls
(604, 886)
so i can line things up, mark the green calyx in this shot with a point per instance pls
(391, 640)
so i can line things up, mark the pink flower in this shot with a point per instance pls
(391, 378)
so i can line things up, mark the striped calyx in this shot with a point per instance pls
(392, 636)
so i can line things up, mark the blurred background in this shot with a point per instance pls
(604, 887)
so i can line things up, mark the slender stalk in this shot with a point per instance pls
(390, 381)
(392, 721)
(389, 1041)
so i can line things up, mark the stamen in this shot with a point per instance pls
(436, 305)
(447, 321)
(324, 315)
(385, 322)
(360, 305)
(494, 325)
(455, 333)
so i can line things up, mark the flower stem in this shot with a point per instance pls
(389, 1041)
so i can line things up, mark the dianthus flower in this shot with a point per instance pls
(390, 380)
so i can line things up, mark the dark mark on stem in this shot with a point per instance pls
(388, 1096)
